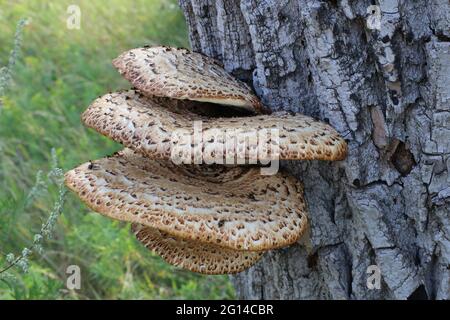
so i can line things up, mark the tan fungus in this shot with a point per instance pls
(182, 74)
(147, 125)
(195, 256)
(233, 207)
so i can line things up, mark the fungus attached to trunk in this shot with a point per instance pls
(148, 125)
(195, 256)
(205, 218)
(182, 74)
(233, 207)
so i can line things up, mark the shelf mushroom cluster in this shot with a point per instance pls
(209, 218)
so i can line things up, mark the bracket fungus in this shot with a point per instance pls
(208, 218)
(234, 207)
(181, 74)
(150, 126)
(199, 257)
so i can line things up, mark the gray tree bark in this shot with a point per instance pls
(387, 92)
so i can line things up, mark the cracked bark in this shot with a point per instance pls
(387, 92)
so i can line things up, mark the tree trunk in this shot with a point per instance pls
(387, 91)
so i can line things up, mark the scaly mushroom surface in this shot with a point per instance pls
(148, 125)
(233, 207)
(206, 218)
(194, 256)
(182, 74)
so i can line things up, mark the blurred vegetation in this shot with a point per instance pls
(57, 75)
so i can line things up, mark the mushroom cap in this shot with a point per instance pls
(234, 207)
(182, 74)
(193, 255)
(149, 126)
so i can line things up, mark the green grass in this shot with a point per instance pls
(59, 73)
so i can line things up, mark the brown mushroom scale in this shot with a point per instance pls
(211, 219)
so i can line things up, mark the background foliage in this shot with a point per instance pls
(57, 75)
